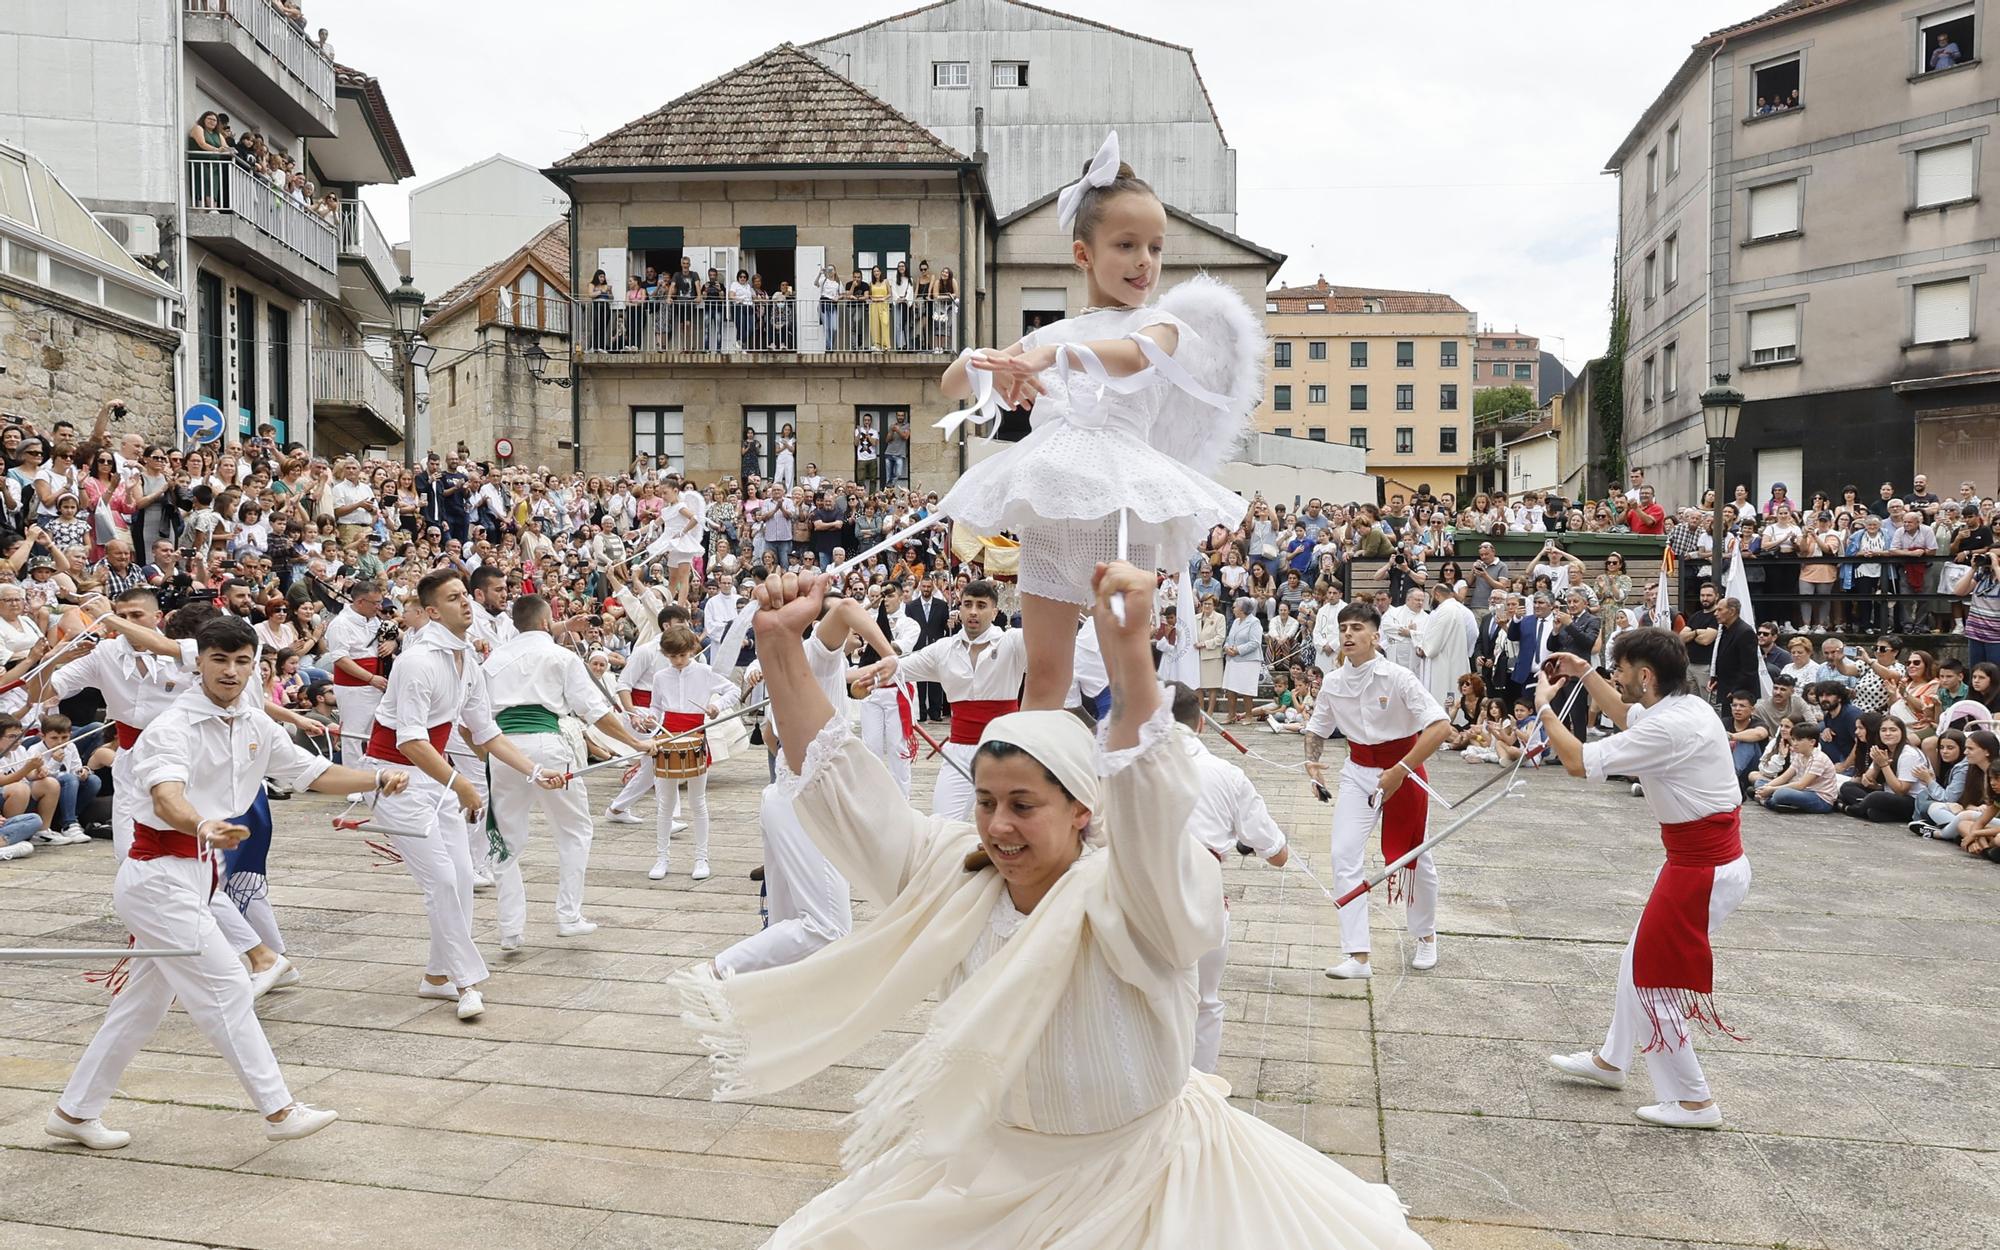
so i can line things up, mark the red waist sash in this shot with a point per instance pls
(372, 663)
(1673, 966)
(151, 843)
(970, 717)
(382, 742)
(128, 735)
(642, 698)
(1407, 813)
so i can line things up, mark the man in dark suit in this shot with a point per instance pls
(1486, 647)
(1737, 657)
(1531, 635)
(1576, 632)
(932, 614)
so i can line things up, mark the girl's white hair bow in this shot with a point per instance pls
(1103, 172)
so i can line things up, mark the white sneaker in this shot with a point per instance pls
(482, 880)
(470, 1005)
(619, 816)
(17, 850)
(575, 928)
(509, 943)
(1583, 1066)
(262, 983)
(74, 834)
(1350, 970)
(289, 977)
(676, 826)
(1426, 957)
(447, 991)
(91, 1133)
(1673, 1115)
(700, 872)
(302, 1121)
(658, 871)
(1638, 791)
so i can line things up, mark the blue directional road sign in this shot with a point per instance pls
(201, 423)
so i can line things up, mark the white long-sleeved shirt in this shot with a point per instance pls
(351, 636)
(534, 670)
(691, 688)
(717, 615)
(1229, 809)
(1326, 634)
(221, 757)
(136, 686)
(637, 675)
(436, 681)
(1379, 701)
(995, 674)
(491, 628)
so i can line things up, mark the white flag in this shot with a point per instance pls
(1663, 610)
(1736, 585)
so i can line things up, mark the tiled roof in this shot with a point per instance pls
(783, 108)
(1771, 17)
(378, 109)
(1206, 98)
(1348, 299)
(550, 249)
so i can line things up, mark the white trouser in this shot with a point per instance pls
(125, 805)
(1675, 1072)
(1208, 1015)
(641, 784)
(442, 868)
(882, 733)
(357, 706)
(952, 796)
(478, 842)
(515, 799)
(1353, 821)
(164, 903)
(666, 790)
(806, 898)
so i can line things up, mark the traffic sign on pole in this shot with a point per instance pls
(201, 423)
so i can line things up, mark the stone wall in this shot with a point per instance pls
(64, 361)
(712, 400)
(483, 395)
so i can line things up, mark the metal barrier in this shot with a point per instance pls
(220, 185)
(802, 325)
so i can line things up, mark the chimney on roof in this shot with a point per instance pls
(1322, 285)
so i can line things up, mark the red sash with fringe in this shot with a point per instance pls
(1673, 968)
(1407, 813)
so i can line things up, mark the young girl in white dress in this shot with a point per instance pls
(1051, 1104)
(785, 470)
(1134, 403)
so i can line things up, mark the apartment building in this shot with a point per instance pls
(1385, 370)
(1512, 359)
(1027, 88)
(1805, 208)
(107, 95)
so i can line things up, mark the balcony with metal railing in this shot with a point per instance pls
(777, 331)
(245, 218)
(546, 314)
(268, 57)
(348, 381)
(368, 271)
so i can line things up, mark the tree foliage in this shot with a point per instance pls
(1607, 395)
(1503, 401)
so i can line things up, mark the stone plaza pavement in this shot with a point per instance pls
(1864, 1111)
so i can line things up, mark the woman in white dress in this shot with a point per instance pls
(1242, 661)
(1051, 1104)
(785, 469)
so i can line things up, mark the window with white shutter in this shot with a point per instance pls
(1944, 174)
(1774, 335)
(1774, 209)
(1941, 311)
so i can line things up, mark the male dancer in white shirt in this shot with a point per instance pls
(1392, 725)
(435, 687)
(888, 711)
(202, 760)
(1228, 816)
(980, 668)
(807, 901)
(1673, 743)
(490, 628)
(533, 680)
(139, 673)
(353, 642)
(635, 697)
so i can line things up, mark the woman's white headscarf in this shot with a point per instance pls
(1058, 742)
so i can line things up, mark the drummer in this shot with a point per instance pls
(684, 693)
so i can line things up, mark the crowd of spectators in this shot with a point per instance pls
(213, 146)
(871, 310)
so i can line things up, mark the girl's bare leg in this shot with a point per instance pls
(1050, 626)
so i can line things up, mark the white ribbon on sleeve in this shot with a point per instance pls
(986, 406)
(1103, 172)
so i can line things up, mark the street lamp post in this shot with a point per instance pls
(1721, 409)
(407, 303)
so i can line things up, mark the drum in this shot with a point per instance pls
(684, 759)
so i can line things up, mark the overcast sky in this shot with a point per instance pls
(1449, 145)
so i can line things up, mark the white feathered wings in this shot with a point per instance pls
(1226, 355)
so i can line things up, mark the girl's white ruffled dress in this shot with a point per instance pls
(1145, 444)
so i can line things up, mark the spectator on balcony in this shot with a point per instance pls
(684, 287)
(662, 312)
(635, 313)
(760, 315)
(903, 303)
(1945, 54)
(785, 318)
(325, 48)
(205, 136)
(944, 307)
(854, 313)
(828, 286)
(600, 309)
(742, 308)
(714, 298)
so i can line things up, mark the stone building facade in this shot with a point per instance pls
(64, 360)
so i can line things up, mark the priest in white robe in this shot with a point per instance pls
(1401, 626)
(1444, 647)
